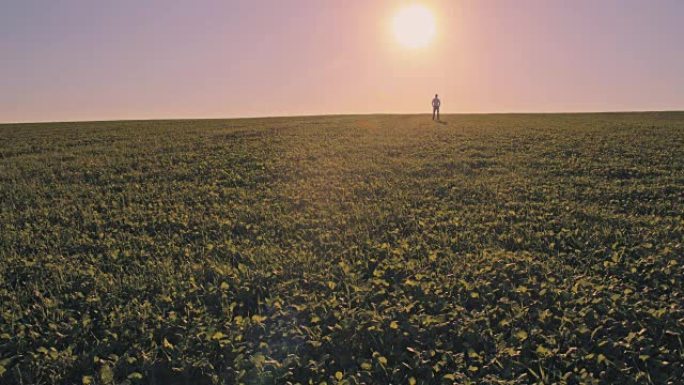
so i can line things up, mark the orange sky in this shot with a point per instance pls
(84, 60)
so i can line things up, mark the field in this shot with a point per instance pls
(495, 249)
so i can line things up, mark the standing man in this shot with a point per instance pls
(435, 107)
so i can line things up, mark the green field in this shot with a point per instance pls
(495, 249)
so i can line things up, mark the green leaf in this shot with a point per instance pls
(217, 336)
(521, 335)
(135, 376)
(106, 374)
(166, 344)
(542, 351)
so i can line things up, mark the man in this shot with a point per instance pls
(435, 107)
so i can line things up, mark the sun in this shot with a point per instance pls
(414, 26)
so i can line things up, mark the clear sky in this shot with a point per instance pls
(143, 59)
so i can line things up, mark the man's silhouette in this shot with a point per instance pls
(435, 107)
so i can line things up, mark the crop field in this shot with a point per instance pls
(488, 249)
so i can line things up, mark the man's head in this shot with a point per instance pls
(436, 95)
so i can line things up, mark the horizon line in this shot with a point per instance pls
(244, 117)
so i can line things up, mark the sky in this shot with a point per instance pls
(66, 60)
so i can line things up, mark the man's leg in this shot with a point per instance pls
(434, 110)
(437, 113)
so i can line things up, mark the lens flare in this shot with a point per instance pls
(414, 26)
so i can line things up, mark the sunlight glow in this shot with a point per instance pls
(414, 26)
